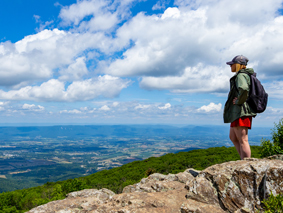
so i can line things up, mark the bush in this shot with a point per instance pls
(149, 172)
(275, 146)
(274, 204)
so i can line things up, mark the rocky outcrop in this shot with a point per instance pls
(236, 186)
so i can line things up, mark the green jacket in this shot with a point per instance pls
(241, 108)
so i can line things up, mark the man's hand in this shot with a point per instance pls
(234, 100)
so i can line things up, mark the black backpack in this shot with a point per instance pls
(257, 99)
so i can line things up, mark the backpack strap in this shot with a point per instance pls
(242, 71)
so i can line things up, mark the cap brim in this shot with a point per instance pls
(230, 63)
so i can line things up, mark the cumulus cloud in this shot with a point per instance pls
(212, 107)
(74, 111)
(274, 111)
(75, 13)
(274, 89)
(135, 109)
(160, 5)
(54, 90)
(38, 57)
(32, 107)
(74, 71)
(104, 108)
(1, 106)
(221, 11)
(183, 49)
(103, 14)
(115, 104)
(166, 106)
(4, 105)
(206, 35)
(142, 106)
(194, 79)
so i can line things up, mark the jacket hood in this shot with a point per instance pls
(249, 70)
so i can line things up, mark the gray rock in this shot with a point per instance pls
(193, 172)
(236, 186)
(192, 206)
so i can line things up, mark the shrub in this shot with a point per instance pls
(274, 204)
(149, 172)
(275, 146)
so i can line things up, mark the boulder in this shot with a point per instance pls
(236, 186)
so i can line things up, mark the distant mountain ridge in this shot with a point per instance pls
(81, 131)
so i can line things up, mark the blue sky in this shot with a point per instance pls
(134, 61)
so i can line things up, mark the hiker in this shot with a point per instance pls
(236, 110)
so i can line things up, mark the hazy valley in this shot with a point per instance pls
(31, 156)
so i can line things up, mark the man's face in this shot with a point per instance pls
(233, 67)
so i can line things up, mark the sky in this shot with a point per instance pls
(134, 61)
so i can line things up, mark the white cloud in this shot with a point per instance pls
(270, 115)
(183, 50)
(74, 71)
(206, 36)
(33, 58)
(160, 51)
(171, 12)
(76, 12)
(160, 5)
(74, 111)
(92, 110)
(37, 57)
(32, 107)
(136, 111)
(274, 111)
(4, 105)
(142, 106)
(42, 25)
(54, 90)
(103, 14)
(84, 108)
(104, 108)
(167, 106)
(212, 107)
(274, 89)
(115, 104)
(193, 80)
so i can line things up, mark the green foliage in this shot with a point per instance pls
(12, 209)
(117, 178)
(275, 146)
(274, 204)
(149, 172)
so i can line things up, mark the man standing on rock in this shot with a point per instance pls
(236, 110)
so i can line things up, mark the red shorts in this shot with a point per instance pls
(243, 121)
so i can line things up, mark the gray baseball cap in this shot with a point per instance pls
(239, 59)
